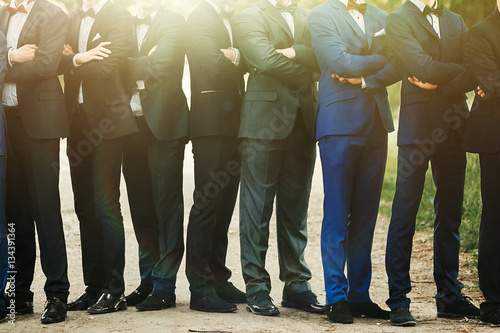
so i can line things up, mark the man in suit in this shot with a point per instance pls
(353, 121)
(278, 150)
(4, 264)
(216, 96)
(482, 136)
(153, 157)
(34, 106)
(98, 41)
(428, 41)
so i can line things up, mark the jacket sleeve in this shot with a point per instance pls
(120, 36)
(165, 59)
(3, 60)
(483, 64)
(413, 58)
(260, 53)
(330, 49)
(48, 54)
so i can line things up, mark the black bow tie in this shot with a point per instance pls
(84, 14)
(226, 14)
(438, 11)
(286, 9)
(147, 20)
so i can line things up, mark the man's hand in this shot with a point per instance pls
(354, 81)
(68, 50)
(23, 54)
(230, 54)
(153, 50)
(480, 92)
(289, 53)
(420, 84)
(97, 53)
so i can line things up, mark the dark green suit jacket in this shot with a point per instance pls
(277, 86)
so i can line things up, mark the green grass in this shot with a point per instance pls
(425, 218)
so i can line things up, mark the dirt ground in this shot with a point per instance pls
(181, 319)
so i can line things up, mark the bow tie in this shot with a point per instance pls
(286, 9)
(84, 14)
(146, 20)
(226, 14)
(360, 7)
(438, 11)
(13, 11)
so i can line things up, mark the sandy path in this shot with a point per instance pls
(181, 319)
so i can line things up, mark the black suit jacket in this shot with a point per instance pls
(39, 93)
(216, 83)
(421, 53)
(482, 134)
(277, 86)
(106, 101)
(163, 101)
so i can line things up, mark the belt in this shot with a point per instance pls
(12, 111)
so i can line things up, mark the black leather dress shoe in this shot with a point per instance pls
(3, 315)
(367, 310)
(107, 304)
(22, 307)
(83, 302)
(231, 294)
(138, 295)
(402, 317)
(261, 303)
(55, 311)
(306, 301)
(339, 313)
(491, 317)
(460, 309)
(212, 303)
(154, 303)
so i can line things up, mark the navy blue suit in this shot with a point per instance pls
(352, 129)
(3, 152)
(430, 126)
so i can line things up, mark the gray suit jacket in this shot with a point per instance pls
(277, 86)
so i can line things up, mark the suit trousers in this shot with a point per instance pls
(4, 265)
(33, 200)
(353, 174)
(95, 166)
(280, 169)
(217, 175)
(448, 162)
(489, 234)
(140, 197)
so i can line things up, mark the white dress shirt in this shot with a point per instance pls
(356, 15)
(135, 102)
(432, 18)
(237, 54)
(287, 16)
(83, 38)
(16, 24)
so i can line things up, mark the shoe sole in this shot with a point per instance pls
(409, 323)
(489, 324)
(291, 305)
(121, 308)
(212, 310)
(270, 314)
(455, 316)
(48, 322)
(167, 306)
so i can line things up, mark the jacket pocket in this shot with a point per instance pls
(268, 96)
(339, 96)
(413, 98)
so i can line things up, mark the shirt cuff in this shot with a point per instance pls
(363, 83)
(237, 56)
(74, 61)
(8, 57)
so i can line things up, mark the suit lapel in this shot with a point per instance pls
(421, 19)
(300, 22)
(370, 26)
(154, 25)
(218, 21)
(99, 20)
(342, 10)
(447, 29)
(276, 16)
(4, 17)
(31, 20)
